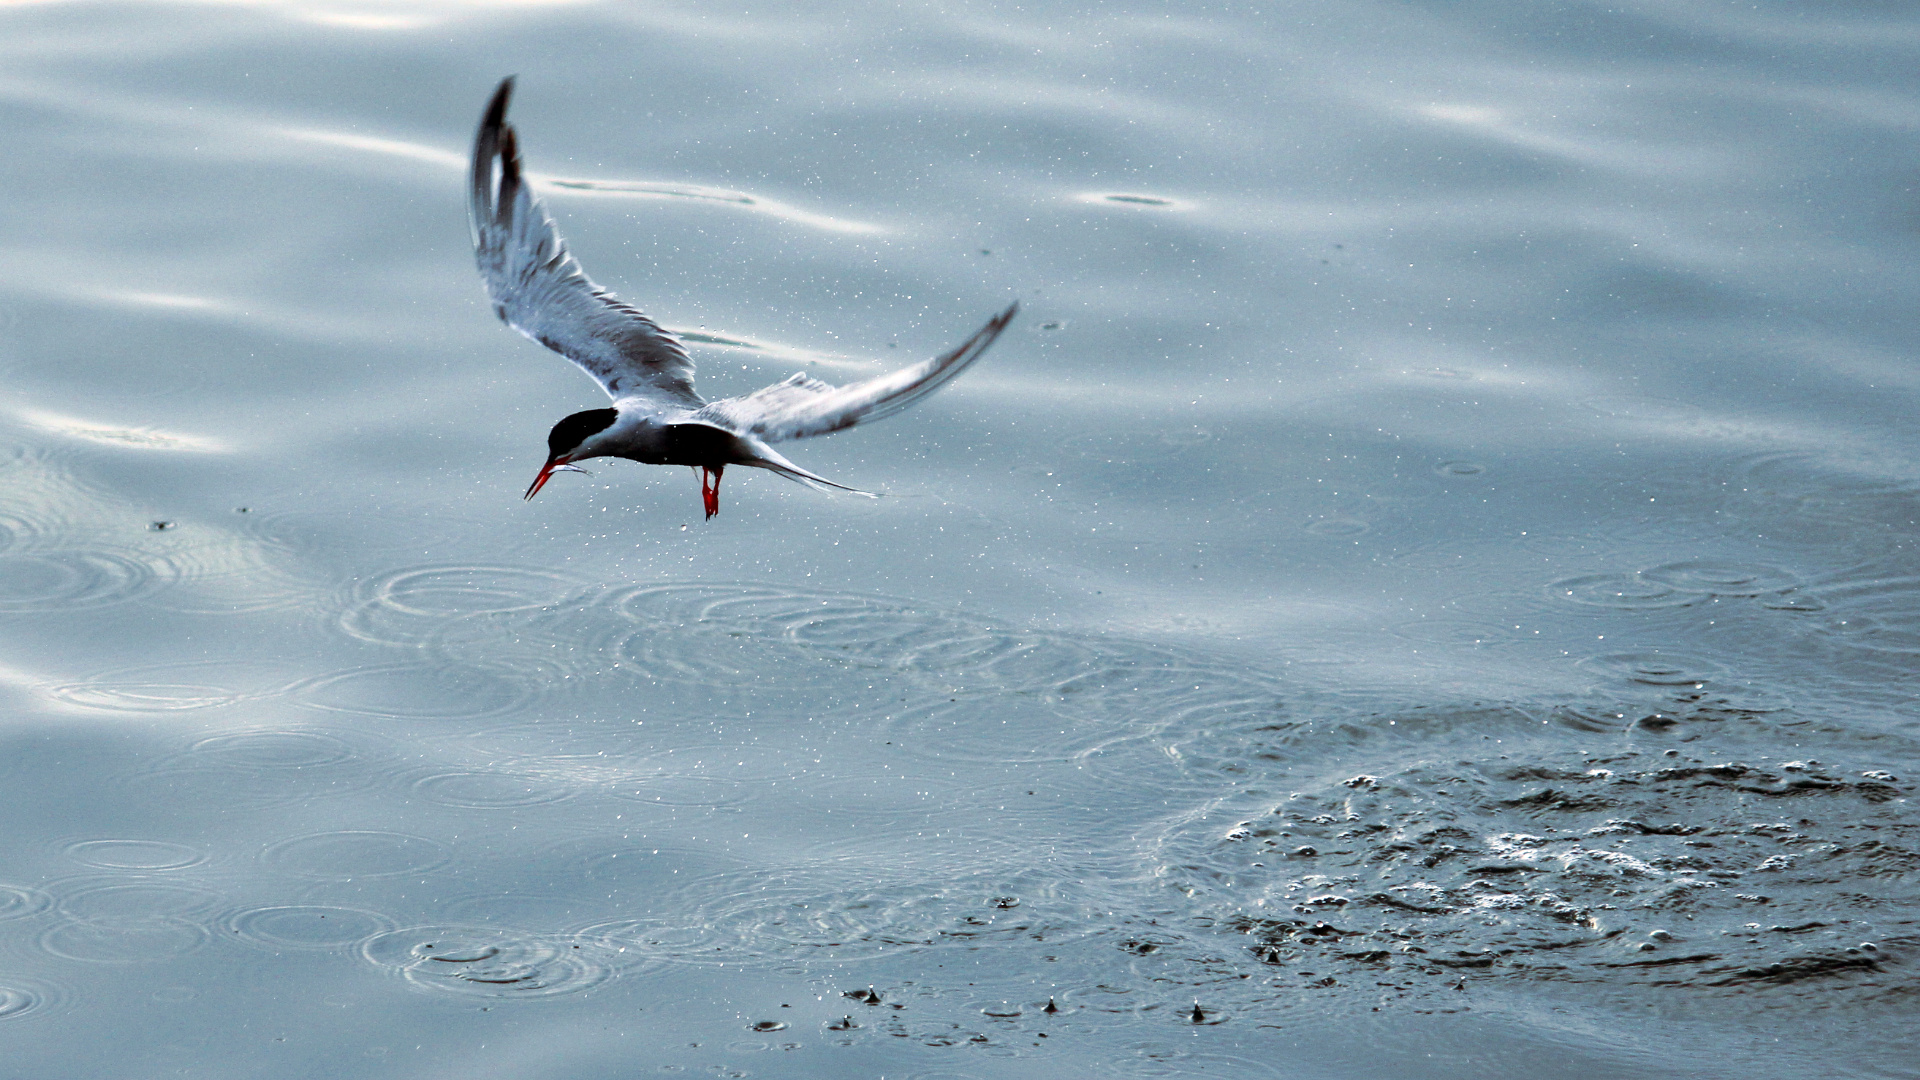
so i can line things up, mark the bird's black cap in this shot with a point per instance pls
(568, 434)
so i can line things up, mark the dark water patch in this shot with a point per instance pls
(304, 926)
(1139, 200)
(350, 854)
(134, 854)
(486, 962)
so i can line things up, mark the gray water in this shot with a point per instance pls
(1427, 587)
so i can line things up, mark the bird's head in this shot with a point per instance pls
(570, 440)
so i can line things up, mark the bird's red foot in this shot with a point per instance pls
(710, 488)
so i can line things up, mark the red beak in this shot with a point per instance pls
(546, 472)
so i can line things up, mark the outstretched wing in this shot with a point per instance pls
(803, 405)
(539, 289)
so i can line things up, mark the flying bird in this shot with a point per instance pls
(539, 289)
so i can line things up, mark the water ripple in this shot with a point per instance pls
(134, 854)
(19, 902)
(415, 691)
(46, 581)
(349, 854)
(146, 941)
(408, 607)
(488, 962)
(24, 1000)
(305, 926)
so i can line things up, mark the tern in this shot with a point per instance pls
(539, 289)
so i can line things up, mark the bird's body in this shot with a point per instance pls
(539, 289)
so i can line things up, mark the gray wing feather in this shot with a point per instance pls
(803, 406)
(539, 289)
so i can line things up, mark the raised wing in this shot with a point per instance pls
(539, 289)
(803, 405)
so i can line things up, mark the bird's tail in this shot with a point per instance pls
(766, 457)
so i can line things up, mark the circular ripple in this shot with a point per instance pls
(134, 854)
(14, 531)
(419, 691)
(781, 916)
(175, 687)
(1721, 578)
(493, 963)
(343, 856)
(17, 902)
(59, 581)
(1652, 668)
(143, 697)
(691, 635)
(1882, 615)
(133, 902)
(144, 941)
(1808, 478)
(407, 607)
(704, 632)
(1626, 592)
(306, 926)
(18, 1001)
(488, 790)
(279, 748)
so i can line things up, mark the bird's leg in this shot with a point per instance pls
(710, 487)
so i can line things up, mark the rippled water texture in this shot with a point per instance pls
(1426, 588)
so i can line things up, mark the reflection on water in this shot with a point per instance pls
(1434, 592)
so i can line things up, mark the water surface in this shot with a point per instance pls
(1426, 588)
